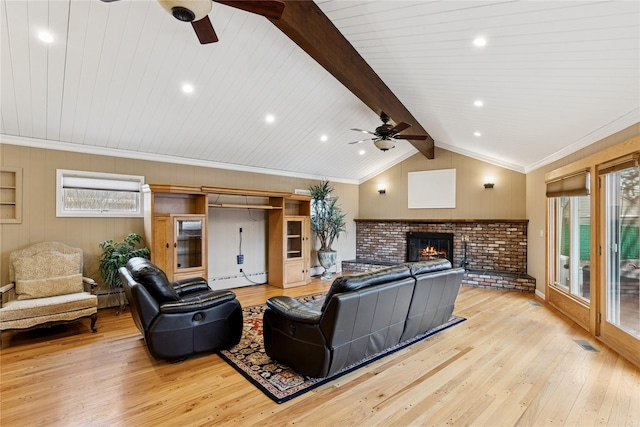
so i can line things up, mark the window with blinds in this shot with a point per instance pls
(86, 194)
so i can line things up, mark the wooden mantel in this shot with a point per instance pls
(443, 221)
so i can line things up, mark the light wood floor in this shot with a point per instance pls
(510, 363)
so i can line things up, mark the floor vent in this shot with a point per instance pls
(585, 345)
(534, 302)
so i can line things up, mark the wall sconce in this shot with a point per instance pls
(488, 182)
(381, 189)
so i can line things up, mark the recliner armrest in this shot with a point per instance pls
(294, 310)
(197, 301)
(190, 285)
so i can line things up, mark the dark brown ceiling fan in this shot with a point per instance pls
(197, 12)
(386, 134)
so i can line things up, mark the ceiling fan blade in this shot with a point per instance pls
(270, 8)
(399, 128)
(415, 137)
(362, 140)
(204, 30)
(363, 131)
(108, 1)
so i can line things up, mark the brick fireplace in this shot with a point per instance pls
(496, 250)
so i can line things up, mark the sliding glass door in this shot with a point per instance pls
(620, 322)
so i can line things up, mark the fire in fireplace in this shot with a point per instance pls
(425, 246)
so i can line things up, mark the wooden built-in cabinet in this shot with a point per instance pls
(297, 248)
(176, 230)
(289, 243)
(179, 243)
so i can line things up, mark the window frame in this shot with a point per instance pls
(119, 180)
(573, 287)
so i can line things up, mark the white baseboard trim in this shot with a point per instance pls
(540, 295)
(237, 281)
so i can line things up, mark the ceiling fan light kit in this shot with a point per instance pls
(197, 13)
(386, 134)
(187, 10)
(384, 144)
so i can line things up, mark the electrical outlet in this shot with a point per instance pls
(241, 229)
(240, 270)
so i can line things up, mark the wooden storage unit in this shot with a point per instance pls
(175, 223)
(179, 243)
(289, 242)
(10, 195)
(168, 208)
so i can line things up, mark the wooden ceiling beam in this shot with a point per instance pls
(307, 26)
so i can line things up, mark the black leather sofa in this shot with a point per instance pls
(180, 318)
(361, 315)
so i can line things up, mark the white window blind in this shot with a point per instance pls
(86, 194)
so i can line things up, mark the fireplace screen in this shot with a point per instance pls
(425, 246)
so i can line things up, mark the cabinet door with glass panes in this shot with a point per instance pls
(189, 257)
(297, 245)
(180, 245)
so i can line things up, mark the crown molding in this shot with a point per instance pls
(482, 157)
(138, 155)
(629, 119)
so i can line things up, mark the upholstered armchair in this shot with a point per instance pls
(47, 287)
(180, 318)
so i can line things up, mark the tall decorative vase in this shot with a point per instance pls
(327, 259)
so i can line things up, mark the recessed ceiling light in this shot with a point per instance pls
(187, 88)
(478, 103)
(45, 36)
(324, 138)
(477, 134)
(361, 152)
(270, 118)
(480, 41)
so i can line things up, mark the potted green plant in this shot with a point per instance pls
(327, 222)
(116, 254)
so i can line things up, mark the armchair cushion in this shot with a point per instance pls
(54, 286)
(153, 279)
(47, 264)
(48, 273)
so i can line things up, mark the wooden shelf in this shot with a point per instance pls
(240, 206)
(10, 195)
(244, 192)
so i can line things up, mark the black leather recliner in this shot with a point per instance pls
(180, 318)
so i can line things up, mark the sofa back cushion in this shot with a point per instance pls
(365, 321)
(47, 274)
(153, 279)
(429, 266)
(366, 279)
(433, 300)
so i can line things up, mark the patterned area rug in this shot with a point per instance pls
(277, 380)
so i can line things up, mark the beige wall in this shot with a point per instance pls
(39, 211)
(505, 201)
(515, 196)
(537, 201)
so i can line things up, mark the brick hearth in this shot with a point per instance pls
(496, 249)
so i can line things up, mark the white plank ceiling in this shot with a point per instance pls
(554, 76)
